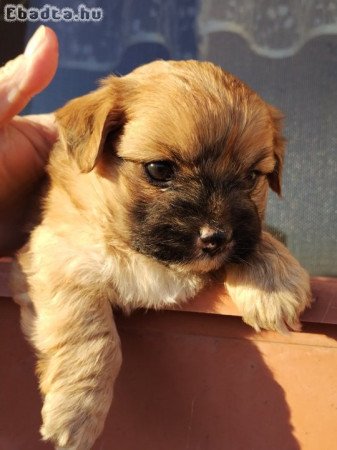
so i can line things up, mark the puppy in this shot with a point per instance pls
(158, 182)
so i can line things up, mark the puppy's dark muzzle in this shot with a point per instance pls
(212, 241)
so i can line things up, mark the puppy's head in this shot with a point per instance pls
(183, 154)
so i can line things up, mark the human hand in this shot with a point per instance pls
(24, 141)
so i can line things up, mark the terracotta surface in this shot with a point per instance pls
(192, 382)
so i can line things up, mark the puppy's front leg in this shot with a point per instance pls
(79, 360)
(270, 288)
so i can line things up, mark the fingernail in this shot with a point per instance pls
(35, 41)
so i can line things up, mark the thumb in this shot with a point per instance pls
(28, 74)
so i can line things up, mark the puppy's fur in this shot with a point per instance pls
(111, 234)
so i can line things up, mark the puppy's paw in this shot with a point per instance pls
(73, 422)
(271, 295)
(277, 310)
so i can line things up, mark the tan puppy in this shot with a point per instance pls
(159, 180)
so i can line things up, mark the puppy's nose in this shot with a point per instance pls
(211, 240)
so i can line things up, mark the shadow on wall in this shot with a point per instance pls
(183, 386)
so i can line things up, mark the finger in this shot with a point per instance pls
(28, 74)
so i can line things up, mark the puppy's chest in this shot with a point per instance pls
(139, 282)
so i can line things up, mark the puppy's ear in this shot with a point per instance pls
(275, 178)
(84, 124)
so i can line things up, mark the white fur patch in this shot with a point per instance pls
(137, 281)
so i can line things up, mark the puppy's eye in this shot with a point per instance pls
(253, 176)
(160, 171)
